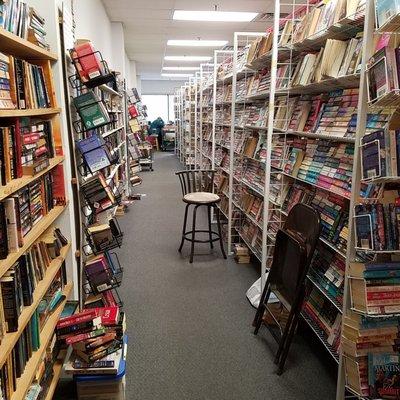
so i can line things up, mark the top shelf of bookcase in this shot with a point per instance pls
(16, 46)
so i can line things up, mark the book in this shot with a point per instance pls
(86, 60)
(94, 152)
(92, 111)
(385, 11)
(383, 370)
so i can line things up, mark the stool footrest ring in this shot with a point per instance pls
(189, 239)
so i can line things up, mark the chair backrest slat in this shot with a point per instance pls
(193, 180)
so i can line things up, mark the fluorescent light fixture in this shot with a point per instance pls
(181, 68)
(214, 16)
(187, 58)
(176, 75)
(197, 43)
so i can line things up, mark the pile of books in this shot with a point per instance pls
(96, 336)
(375, 287)
(254, 175)
(370, 345)
(251, 205)
(377, 226)
(36, 29)
(252, 234)
(325, 316)
(242, 254)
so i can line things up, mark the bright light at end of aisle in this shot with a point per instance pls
(187, 58)
(197, 43)
(181, 68)
(214, 16)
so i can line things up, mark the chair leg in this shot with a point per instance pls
(261, 309)
(288, 343)
(220, 232)
(209, 226)
(184, 227)
(193, 234)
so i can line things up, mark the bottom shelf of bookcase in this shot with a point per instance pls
(57, 369)
(25, 381)
(320, 335)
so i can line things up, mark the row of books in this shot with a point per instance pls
(23, 85)
(325, 316)
(21, 212)
(30, 339)
(19, 283)
(377, 226)
(24, 21)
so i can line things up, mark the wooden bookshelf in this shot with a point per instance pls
(31, 237)
(57, 369)
(19, 47)
(17, 184)
(33, 112)
(10, 339)
(26, 379)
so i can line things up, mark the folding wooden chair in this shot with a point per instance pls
(294, 247)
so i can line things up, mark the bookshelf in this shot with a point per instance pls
(278, 166)
(34, 56)
(24, 382)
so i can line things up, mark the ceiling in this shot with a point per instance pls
(148, 24)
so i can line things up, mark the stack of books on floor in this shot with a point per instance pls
(242, 254)
(98, 341)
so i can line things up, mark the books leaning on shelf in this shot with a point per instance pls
(387, 11)
(19, 283)
(92, 110)
(24, 21)
(97, 192)
(86, 60)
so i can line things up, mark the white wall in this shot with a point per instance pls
(92, 23)
(160, 87)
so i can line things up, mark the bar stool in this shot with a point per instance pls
(197, 188)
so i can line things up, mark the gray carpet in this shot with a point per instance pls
(189, 325)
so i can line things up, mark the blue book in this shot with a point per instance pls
(385, 266)
(385, 10)
(383, 373)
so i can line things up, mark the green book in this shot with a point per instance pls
(91, 110)
(35, 331)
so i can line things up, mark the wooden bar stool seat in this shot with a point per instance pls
(201, 198)
(197, 188)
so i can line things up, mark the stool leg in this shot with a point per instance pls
(220, 231)
(184, 227)
(209, 226)
(193, 234)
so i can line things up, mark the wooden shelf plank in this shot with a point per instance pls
(17, 184)
(10, 339)
(57, 369)
(16, 46)
(26, 379)
(32, 112)
(31, 237)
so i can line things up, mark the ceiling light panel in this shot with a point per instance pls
(214, 16)
(197, 43)
(187, 58)
(181, 68)
(176, 75)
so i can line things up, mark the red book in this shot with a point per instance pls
(78, 318)
(30, 138)
(89, 61)
(109, 315)
(84, 336)
(109, 298)
(133, 112)
(18, 148)
(58, 186)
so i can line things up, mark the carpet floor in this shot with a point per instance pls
(189, 325)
